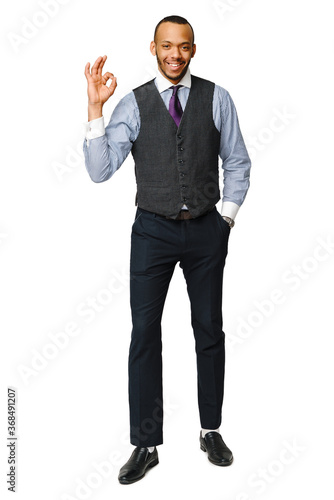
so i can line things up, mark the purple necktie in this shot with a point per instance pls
(175, 108)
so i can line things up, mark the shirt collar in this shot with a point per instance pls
(163, 84)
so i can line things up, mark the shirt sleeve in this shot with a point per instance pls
(236, 162)
(105, 149)
(94, 128)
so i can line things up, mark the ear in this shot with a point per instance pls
(153, 49)
(193, 50)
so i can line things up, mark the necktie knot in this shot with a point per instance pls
(175, 89)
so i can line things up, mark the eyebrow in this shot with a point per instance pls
(183, 43)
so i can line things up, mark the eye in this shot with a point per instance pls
(165, 46)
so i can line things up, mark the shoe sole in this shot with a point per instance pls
(226, 464)
(152, 464)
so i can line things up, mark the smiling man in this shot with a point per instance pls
(173, 62)
(176, 127)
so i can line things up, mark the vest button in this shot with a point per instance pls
(181, 149)
(181, 161)
(179, 137)
(183, 187)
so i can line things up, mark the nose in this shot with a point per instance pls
(175, 53)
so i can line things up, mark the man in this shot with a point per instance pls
(176, 126)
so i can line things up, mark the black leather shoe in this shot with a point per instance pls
(135, 468)
(218, 452)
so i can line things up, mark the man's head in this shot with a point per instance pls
(173, 47)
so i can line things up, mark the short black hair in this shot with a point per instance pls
(176, 20)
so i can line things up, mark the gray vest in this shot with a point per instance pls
(177, 166)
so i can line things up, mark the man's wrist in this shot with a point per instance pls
(229, 221)
(94, 111)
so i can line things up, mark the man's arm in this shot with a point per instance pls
(105, 149)
(233, 152)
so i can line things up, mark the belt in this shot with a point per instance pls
(186, 215)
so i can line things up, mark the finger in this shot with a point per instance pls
(107, 76)
(101, 64)
(96, 66)
(103, 60)
(113, 85)
(87, 72)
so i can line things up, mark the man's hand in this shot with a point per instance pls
(98, 92)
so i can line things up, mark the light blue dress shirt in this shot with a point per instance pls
(105, 149)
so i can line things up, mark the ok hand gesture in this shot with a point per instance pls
(98, 92)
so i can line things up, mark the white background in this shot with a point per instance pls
(64, 240)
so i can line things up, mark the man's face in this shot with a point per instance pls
(173, 49)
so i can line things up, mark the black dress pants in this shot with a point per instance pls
(157, 245)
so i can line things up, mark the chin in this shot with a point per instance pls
(173, 76)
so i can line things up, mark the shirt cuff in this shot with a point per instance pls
(94, 128)
(229, 209)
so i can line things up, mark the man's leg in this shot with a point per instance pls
(151, 269)
(203, 265)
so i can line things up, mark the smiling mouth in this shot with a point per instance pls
(175, 65)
